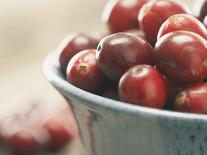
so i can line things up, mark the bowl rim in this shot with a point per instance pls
(53, 74)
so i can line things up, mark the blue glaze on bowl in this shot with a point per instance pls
(109, 127)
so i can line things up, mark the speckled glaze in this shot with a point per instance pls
(110, 127)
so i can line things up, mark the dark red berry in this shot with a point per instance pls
(200, 9)
(111, 93)
(121, 51)
(193, 99)
(182, 56)
(75, 43)
(121, 15)
(83, 72)
(154, 13)
(143, 85)
(182, 22)
(137, 32)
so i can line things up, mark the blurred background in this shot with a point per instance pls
(29, 30)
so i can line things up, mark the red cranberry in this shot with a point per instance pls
(154, 13)
(137, 32)
(59, 130)
(143, 85)
(75, 43)
(205, 21)
(121, 51)
(111, 93)
(192, 99)
(200, 9)
(23, 143)
(121, 15)
(83, 72)
(182, 22)
(21, 130)
(28, 130)
(182, 56)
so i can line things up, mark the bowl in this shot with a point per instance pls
(109, 127)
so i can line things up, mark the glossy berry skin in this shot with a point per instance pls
(154, 13)
(182, 56)
(137, 32)
(182, 22)
(75, 43)
(205, 21)
(192, 99)
(84, 73)
(119, 52)
(143, 85)
(200, 9)
(121, 15)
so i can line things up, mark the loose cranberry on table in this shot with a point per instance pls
(75, 43)
(143, 85)
(182, 56)
(137, 32)
(84, 73)
(59, 130)
(121, 15)
(193, 99)
(200, 9)
(154, 13)
(28, 129)
(183, 22)
(119, 52)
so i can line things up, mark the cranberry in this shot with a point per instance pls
(26, 135)
(83, 72)
(121, 15)
(200, 9)
(182, 56)
(193, 99)
(205, 21)
(143, 85)
(23, 143)
(28, 130)
(59, 130)
(137, 32)
(75, 43)
(182, 22)
(121, 51)
(154, 13)
(111, 93)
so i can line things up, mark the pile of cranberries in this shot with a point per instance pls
(154, 55)
(30, 129)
